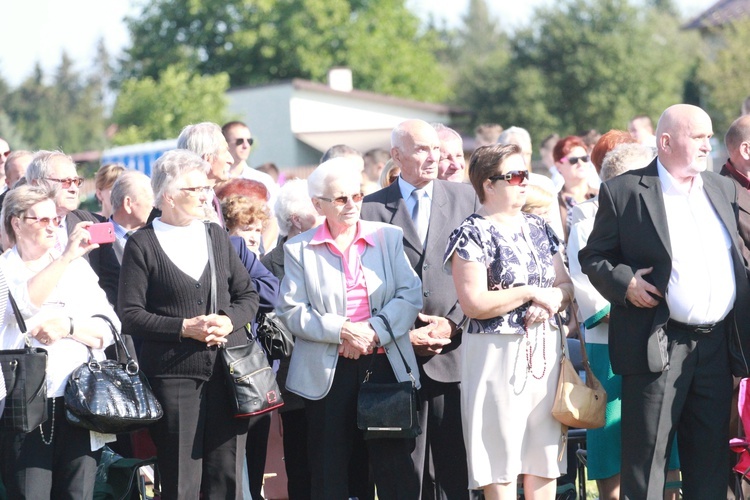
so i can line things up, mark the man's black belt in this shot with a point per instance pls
(705, 328)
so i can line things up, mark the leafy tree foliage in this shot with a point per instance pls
(584, 64)
(259, 41)
(723, 74)
(149, 109)
(67, 114)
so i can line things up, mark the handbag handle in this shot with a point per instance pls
(584, 356)
(131, 365)
(211, 266)
(393, 337)
(19, 320)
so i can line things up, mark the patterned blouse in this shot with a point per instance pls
(512, 259)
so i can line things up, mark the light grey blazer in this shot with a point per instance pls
(312, 305)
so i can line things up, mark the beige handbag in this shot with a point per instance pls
(578, 404)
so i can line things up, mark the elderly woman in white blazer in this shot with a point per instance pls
(338, 278)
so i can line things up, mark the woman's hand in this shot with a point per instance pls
(211, 329)
(535, 314)
(347, 350)
(79, 242)
(360, 336)
(549, 298)
(51, 330)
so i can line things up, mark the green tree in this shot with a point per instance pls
(149, 109)
(67, 114)
(723, 74)
(260, 41)
(585, 64)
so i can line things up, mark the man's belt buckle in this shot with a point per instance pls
(704, 329)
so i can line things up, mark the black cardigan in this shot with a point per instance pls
(155, 296)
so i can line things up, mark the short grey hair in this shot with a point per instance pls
(203, 139)
(442, 130)
(626, 157)
(293, 199)
(39, 168)
(129, 183)
(19, 200)
(171, 166)
(511, 133)
(19, 153)
(343, 167)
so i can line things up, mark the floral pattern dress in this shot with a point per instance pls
(509, 374)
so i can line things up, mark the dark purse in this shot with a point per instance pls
(25, 375)
(108, 396)
(251, 382)
(388, 410)
(271, 333)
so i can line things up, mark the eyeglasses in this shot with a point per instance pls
(45, 221)
(198, 190)
(343, 200)
(67, 182)
(241, 140)
(514, 177)
(574, 159)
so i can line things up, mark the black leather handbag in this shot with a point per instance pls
(25, 376)
(275, 339)
(388, 410)
(250, 380)
(109, 396)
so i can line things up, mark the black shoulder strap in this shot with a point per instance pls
(211, 265)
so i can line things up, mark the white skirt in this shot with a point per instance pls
(507, 413)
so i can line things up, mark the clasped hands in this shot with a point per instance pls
(430, 339)
(545, 304)
(357, 339)
(210, 328)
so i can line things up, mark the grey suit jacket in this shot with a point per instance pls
(630, 233)
(451, 203)
(313, 306)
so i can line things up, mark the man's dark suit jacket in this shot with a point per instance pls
(631, 233)
(103, 260)
(743, 203)
(451, 203)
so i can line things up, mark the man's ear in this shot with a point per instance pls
(745, 150)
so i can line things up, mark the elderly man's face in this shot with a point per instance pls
(238, 139)
(452, 165)
(142, 203)
(221, 162)
(67, 198)
(418, 155)
(16, 169)
(686, 144)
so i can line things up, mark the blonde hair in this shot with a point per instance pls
(537, 198)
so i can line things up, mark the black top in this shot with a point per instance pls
(155, 296)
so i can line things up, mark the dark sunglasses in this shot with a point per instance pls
(66, 183)
(574, 159)
(343, 200)
(241, 140)
(514, 177)
(45, 221)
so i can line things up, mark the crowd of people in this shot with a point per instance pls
(401, 265)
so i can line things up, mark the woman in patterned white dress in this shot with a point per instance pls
(510, 280)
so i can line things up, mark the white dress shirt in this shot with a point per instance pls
(701, 286)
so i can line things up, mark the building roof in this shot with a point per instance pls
(365, 95)
(721, 13)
